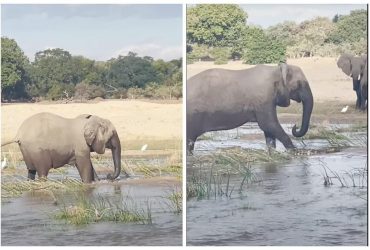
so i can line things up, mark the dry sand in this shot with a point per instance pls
(327, 81)
(133, 119)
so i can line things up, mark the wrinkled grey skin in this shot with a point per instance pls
(219, 99)
(354, 67)
(364, 89)
(51, 141)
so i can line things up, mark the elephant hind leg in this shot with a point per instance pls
(31, 168)
(42, 163)
(36, 165)
(43, 172)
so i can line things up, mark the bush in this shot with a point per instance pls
(150, 90)
(267, 51)
(86, 91)
(156, 91)
(177, 91)
(221, 55)
(120, 94)
(135, 92)
(198, 52)
(60, 91)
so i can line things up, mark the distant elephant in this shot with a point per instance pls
(220, 99)
(363, 86)
(354, 66)
(51, 141)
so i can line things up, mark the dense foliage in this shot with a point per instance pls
(221, 31)
(259, 48)
(14, 72)
(215, 24)
(56, 74)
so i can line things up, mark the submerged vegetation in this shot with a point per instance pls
(174, 201)
(213, 174)
(101, 209)
(17, 187)
(356, 177)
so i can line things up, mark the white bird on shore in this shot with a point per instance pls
(344, 110)
(3, 163)
(144, 147)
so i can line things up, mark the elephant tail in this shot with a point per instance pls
(10, 142)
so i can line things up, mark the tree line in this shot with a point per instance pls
(220, 32)
(57, 74)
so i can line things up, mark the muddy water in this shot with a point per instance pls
(290, 206)
(28, 220)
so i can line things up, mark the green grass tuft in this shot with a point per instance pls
(100, 210)
(17, 187)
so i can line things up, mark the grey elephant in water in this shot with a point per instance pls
(354, 66)
(51, 141)
(220, 99)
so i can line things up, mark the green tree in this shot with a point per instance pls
(215, 25)
(350, 28)
(52, 67)
(81, 68)
(286, 32)
(131, 70)
(14, 70)
(260, 49)
(311, 38)
(314, 34)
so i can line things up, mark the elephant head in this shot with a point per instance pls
(100, 134)
(299, 91)
(352, 65)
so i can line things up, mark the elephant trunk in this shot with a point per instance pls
(307, 102)
(116, 155)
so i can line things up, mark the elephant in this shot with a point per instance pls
(50, 141)
(354, 66)
(364, 89)
(220, 99)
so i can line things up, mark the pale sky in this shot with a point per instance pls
(100, 31)
(271, 14)
(96, 31)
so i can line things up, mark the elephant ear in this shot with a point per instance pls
(96, 133)
(282, 90)
(284, 72)
(344, 62)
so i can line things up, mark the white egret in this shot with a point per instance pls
(144, 147)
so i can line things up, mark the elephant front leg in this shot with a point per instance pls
(359, 99)
(272, 128)
(85, 168)
(357, 89)
(96, 177)
(190, 147)
(270, 140)
(31, 174)
(363, 98)
(363, 104)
